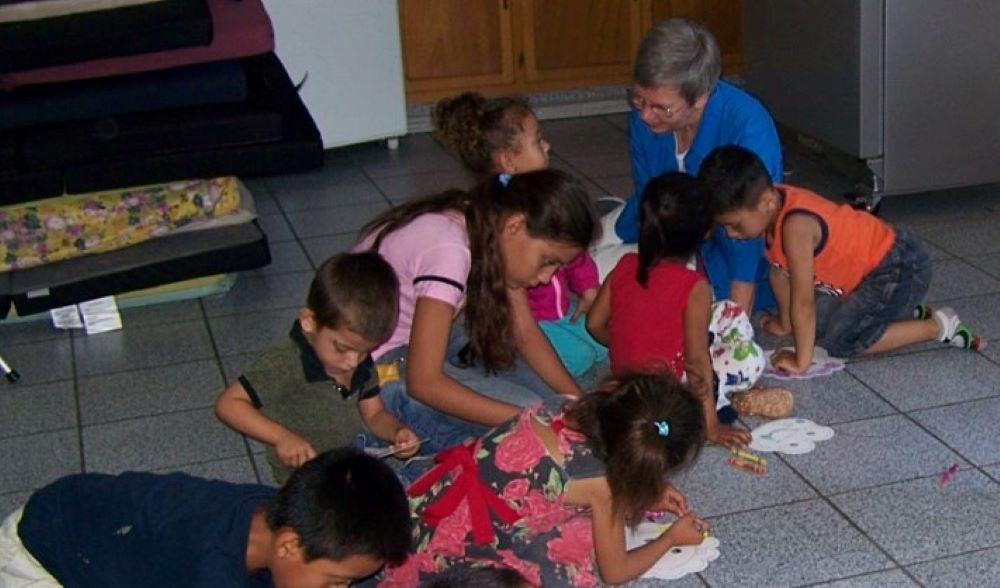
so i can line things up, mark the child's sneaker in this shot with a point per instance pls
(774, 403)
(953, 331)
(922, 311)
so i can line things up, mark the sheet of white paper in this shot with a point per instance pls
(66, 317)
(794, 436)
(100, 315)
(679, 561)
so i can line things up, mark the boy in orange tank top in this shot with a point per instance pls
(843, 279)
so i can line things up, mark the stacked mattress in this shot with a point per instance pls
(124, 125)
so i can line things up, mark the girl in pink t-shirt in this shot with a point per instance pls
(475, 253)
(502, 136)
(655, 311)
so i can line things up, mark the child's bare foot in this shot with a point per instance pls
(773, 403)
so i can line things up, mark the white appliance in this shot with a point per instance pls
(348, 57)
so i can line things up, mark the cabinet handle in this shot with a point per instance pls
(505, 4)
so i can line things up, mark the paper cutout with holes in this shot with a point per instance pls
(678, 561)
(792, 436)
(822, 365)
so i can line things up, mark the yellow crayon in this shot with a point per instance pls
(749, 457)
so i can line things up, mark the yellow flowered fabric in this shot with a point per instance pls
(61, 228)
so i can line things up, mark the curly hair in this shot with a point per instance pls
(644, 426)
(475, 128)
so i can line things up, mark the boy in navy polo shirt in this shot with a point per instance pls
(338, 519)
(315, 388)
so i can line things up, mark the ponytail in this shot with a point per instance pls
(644, 427)
(674, 217)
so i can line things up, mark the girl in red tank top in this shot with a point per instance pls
(654, 311)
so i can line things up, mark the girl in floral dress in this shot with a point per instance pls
(549, 492)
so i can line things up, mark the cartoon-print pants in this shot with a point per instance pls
(737, 360)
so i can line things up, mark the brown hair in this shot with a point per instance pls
(644, 427)
(358, 291)
(474, 127)
(555, 206)
(674, 217)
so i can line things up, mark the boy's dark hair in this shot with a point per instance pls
(468, 576)
(344, 502)
(643, 427)
(555, 206)
(674, 217)
(359, 291)
(734, 178)
(474, 127)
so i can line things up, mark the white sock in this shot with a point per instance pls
(947, 321)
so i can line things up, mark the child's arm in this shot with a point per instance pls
(425, 377)
(800, 234)
(698, 365)
(600, 315)
(779, 324)
(535, 348)
(235, 408)
(583, 280)
(387, 427)
(615, 563)
(584, 304)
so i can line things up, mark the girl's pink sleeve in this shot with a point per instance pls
(581, 273)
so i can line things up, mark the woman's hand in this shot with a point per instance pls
(772, 324)
(293, 450)
(687, 530)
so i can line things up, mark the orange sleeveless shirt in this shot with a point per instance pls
(852, 244)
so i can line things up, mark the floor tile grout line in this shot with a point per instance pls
(77, 406)
(861, 576)
(225, 383)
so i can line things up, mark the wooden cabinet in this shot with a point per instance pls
(450, 45)
(723, 17)
(581, 41)
(521, 46)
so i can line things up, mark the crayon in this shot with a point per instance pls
(746, 465)
(749, 457)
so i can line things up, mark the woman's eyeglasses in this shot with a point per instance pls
(659, 110)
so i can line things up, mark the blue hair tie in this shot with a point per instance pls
(662, 428)
(504, 179)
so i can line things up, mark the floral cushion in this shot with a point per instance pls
(61, 228)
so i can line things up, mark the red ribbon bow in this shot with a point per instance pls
(467, 486)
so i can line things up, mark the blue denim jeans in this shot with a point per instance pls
(519, 385)
(846, 326)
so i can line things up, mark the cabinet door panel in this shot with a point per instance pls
(455, 43)
(579, 39)
(723, 17)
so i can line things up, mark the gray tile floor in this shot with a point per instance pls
(863, 509)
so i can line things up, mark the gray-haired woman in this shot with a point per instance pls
(681, 110)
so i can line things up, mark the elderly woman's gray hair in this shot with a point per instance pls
(679, 53)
